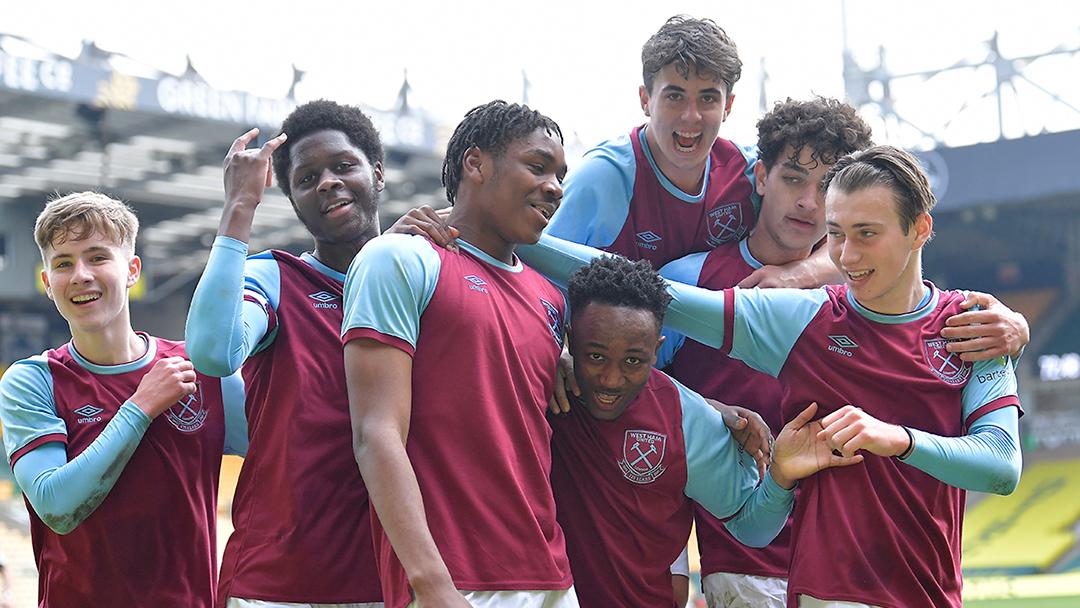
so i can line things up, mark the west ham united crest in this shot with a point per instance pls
(944, 364)
(554, 321)
(643, 456)
(725, 224)
(189, 413)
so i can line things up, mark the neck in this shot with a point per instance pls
(339, 255)
(689, 181)
(481, 234)
(767, 251)
(109, 347)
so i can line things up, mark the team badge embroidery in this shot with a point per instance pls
(944, 364)
(189, 413)
(643, 456)
(725, 224)
(554, 321)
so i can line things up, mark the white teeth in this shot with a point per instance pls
(543, 211)
(336, 205)
(860, 274)
(607, 399)
(687, 135)
(85, 298)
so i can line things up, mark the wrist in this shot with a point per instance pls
(906, 443)
(780, 479)
(432, 583)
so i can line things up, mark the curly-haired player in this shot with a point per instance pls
(638, 446)
(279, 315)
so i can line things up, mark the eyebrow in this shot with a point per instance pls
(298, 167)
(794, 166)
(859, 225)
(95, 249)
(549, 158)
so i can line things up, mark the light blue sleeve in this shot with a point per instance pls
(768, 322)
(389, 285)
(988, 457)
(750, 154)
(27, 410)
(596, 196)
(724, 479)
(223, 329)
(236, 424)
(64, 493)
(685, 270)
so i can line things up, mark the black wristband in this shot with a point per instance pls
(910, 444)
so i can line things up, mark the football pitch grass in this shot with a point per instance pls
(1042, 602)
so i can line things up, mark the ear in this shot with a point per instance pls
(760, 173)
(659, 343)
(727, 106)
(643, 95)
(45, 282)
(472, 164)
(134, 270)
(924, 229)
(569, 338)
(379, 177)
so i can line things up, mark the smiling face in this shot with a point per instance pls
(334, 188)
(614, 348)
(517, 192)
(88, 280)
(868, 244)
(792, 216)
(685, 115)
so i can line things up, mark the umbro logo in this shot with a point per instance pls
(842, 344)
(88, 413)
(324, 299)
(477, 283)
(844, 341)
(647, 238)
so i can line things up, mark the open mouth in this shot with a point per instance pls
(545, 210)
(606, 401)
(856, 276)
(686, 141)
(86, 298)
(337, 205)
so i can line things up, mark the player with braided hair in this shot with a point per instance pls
(450, 357)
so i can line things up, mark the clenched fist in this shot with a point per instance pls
(171, 379)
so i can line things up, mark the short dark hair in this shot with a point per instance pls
(830, 127)
(490, 127)
(617, 281)
(886, 166)
(692, 43)
(323, 115)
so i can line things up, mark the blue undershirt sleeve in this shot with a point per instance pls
(987, 459)
(685, 270)
(64, 493)
(236, 424)
(596, 199)
(763, 515)
(223, 328)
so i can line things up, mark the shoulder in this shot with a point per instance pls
(612, 160)
(28, 371)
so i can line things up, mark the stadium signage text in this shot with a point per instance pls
(25, 74)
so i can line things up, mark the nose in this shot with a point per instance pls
(328, 180)
(553, 191)
(610, 378)
(691, 113)
(81, 273)
(811, 197)
(849, 254)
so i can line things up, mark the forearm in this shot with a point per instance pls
(395, 494)
(695, 312)
(818, 270)
(988, 459)
(219, 334)
(64, 493)
(763, 515)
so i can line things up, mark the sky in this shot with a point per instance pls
(582, 58)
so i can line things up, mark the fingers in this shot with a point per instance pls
(560, 403)
(805, 416)
(970, 318)
(751, 281)
(268, 148)
(837, 415)
(844, 461)
(241, 143)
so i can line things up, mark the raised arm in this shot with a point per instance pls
(64, 493)
(223, 327)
